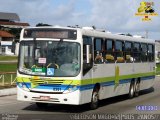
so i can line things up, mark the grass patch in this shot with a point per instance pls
(158, 69)
(7, 67)
(8, 58)
(8, 78)
(11, 67)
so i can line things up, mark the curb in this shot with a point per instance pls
(9, 91)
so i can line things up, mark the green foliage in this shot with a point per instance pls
(158, 69)
(9, 67)
(8, 58)
(42, 24)
(15, 32)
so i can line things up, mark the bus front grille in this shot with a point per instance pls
(43, 81)
(46, 92)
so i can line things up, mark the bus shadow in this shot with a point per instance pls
(81, 108)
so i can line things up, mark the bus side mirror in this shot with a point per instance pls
(88, 53)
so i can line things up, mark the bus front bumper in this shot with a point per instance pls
(72, 98)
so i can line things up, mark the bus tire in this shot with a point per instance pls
(132, 89)
(41, 105)
(137, 88)
(94, 99)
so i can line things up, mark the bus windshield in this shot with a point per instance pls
(49, 58)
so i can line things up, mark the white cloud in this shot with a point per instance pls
(114, 15)
(119, 16)
(35, 11)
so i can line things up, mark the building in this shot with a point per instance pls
(6, 43)
(11, 20)
(9, 42)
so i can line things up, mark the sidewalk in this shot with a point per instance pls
(8, 91)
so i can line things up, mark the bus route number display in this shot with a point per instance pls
(50, 33)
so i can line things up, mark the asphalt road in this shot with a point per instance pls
(121, 105)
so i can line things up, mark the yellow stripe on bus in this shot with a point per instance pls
(85, 81)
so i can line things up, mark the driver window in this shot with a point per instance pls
(87, 66)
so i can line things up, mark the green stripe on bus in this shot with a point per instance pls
(89, 81)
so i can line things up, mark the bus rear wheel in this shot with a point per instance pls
(132, 89)
(94, 100)
(41, 105)
(137, 88)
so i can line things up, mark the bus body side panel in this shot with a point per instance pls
(147, 79)
(109, 86)
(86, 87)
(113, 84)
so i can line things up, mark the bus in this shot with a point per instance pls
(75, 66)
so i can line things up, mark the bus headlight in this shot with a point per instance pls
(20, 85)
(71, 89)
(23, 86)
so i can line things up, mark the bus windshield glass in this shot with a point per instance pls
(49, 58)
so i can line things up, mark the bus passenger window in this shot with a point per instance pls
(144, 54)
(98, 51)
(110, 48)
(136, 52)
(150, 53)
(119, 51)
(128, 52)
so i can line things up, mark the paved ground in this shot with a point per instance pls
(10, 107)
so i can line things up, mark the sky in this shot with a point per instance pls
(116, 16)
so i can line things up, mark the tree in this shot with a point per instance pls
(128, 34)
(94, 27)
(42, 24)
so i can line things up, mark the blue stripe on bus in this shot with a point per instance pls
(147, 78)
(112, 83)
(84, 87)
(62, 87)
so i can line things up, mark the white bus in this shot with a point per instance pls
(75, 66)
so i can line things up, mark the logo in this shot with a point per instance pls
(50, 71)
(146, 10)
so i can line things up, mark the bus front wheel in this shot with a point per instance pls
(94, 100)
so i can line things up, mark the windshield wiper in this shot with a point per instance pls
(57, 49)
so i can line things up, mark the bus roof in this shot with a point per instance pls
(88, 31)
(107, 35)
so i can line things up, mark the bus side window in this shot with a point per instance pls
(119, 51)
(144, 53)
(150, 53)
(87, 66)
(98, 51)
(110, 48)
(128, 52)
(136, 52)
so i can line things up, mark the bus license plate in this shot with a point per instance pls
(44, 98)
